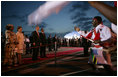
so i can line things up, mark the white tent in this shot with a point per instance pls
(73, 34)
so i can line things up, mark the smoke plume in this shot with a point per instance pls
(45, 10)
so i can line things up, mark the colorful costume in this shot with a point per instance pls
(10, 48)
(102, 33)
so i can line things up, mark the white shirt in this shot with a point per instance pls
(82, 33)
(114, 28)
(105, 32)
(27, 40)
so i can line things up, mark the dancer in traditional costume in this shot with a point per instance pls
(10, 46)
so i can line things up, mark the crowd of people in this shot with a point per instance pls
(15, 44)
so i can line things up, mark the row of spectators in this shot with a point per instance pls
(61, 42)
(16, 44)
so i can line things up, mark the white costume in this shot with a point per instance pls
(114, 28)
(104, 31)
(82, 33)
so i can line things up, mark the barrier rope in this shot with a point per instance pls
(46, 45)
(52, 44)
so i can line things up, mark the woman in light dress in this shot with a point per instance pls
(20, 46)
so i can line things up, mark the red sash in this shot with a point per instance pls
(97, 35)
(107, 43)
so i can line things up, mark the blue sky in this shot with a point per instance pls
(16, 13)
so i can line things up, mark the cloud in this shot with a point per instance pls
(85, 25)
(45, 10)
(21, 18)
(81, 19)
(43, 25)
(79, 10)
(88, 23)
(51, 29)
(80, 5)
(78, 14)
(25, 23)
(12, 16)
(84, 18)
(87, 28)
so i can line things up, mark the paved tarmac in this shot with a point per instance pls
(74, 64)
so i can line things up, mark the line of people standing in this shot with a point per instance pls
(39, 42)
(15, 44)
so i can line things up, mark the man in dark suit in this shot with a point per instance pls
(36, 43)
(55, 42)
(86, 44)
(43, 44)
(49, 43)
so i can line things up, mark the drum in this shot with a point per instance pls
(96, 56)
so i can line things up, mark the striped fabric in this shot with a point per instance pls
(96, 56)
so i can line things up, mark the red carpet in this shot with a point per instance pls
(52, 55)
